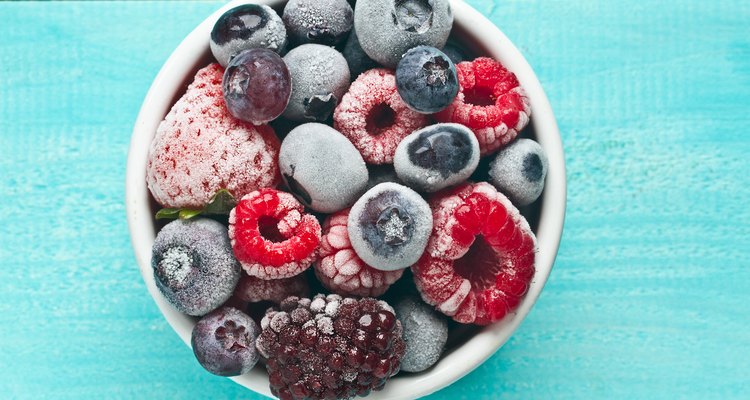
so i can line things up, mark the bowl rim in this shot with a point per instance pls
(475, 351)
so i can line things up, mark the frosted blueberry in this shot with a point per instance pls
(388, 28)
(389, 226)
(318, 21)
(357, 59)
(426, 80)
(322, 168)
(436, 157)
(425, 334)
(224, 342)
(194, 266)
(320, 77)
(519, 171)
(245, 27)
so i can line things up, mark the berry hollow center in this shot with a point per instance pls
(380, 118)
(394, 226)
(269, 229)
(479, 265)
(436, 71)
(413, 15)
(232, 337)
(479, 96)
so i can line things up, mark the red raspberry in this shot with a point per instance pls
(271, 236)
(200, 148)
(374, 118)
(339, 268)
(254, 290)
(490, 101)
(479, 261)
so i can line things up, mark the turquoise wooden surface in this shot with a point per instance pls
(649, 296)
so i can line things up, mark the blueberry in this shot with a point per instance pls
(224, 342)
(357, 59)
(437, 156)
(426, 80)
(456, 53)
(519, 171)
(245, 27)
(388, 28)
(318, 21)
(425, 333)
(194, 265)
(389, 226)
(320, 77)
(257, 86)
(322, 167)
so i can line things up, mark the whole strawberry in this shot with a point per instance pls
(330, 347)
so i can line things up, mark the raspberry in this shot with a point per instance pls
(374, 118)
(254, 290)
(271, 236)
(330, 347)
(479, 261)
(490, 101)
(200, 148)
(339, 268)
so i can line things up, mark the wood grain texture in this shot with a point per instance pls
(649, 296)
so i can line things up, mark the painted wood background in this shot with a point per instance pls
(649, 296)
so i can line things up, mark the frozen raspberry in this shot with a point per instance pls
(374, 117)
(271, 236)
(490, 101)
(255, 290)
(200, 148)
(339, 268)
(479, 261)
(330, 347)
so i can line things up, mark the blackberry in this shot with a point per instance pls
(330, 347)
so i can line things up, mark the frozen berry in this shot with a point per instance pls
(255, 290)
(320, 77)
(490, 101)
(224, 342)
(194, 267)
(322, 168)
(380, 174)
(519, 171)
(455, 52)
(200, 148)
(479, 261)
(425, 334)
(388, 28)
(436, 157)
(357, 59)
(389, 226)
(426, 79)
(339, 268)
(330, 347)
(318, 21)
(257, 86)
(245, 27)
(271, 235)
(374, 117)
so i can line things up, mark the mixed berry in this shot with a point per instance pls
(394, 171)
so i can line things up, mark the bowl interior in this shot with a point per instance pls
(468, 346)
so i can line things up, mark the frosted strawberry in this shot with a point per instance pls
(339, 268)
(490, 101)
(271, 235)
(479, 261)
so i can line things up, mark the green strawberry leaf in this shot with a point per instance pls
(188, 214)
(221, 204)
(168, 213)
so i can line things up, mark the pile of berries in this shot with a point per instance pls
(330, 149)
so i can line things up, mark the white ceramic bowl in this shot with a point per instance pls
(480, 36)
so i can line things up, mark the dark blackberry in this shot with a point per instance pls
(330, 347)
